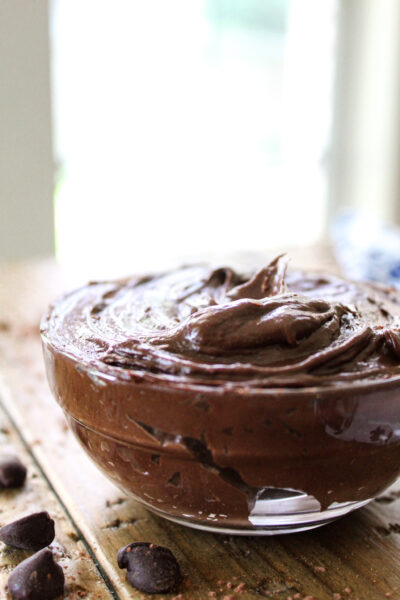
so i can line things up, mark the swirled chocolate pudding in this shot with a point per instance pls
(216, 397)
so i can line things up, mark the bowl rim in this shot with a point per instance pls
(95, 369)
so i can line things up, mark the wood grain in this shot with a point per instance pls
(83, 579)
(355, 557)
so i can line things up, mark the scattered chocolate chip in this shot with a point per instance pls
(29, 533)
(37, 578)
(150, 568)
(12, 471)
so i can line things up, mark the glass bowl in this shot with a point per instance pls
(238, 461)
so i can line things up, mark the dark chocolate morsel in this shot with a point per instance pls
(37, 578)
(12, 471)
(29, 533)
(151, 569)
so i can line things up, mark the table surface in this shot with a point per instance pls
(358, 556)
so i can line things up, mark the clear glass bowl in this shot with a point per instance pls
(253, 462)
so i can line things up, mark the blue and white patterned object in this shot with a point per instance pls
(366, 248)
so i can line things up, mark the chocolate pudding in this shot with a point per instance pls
(244, 402)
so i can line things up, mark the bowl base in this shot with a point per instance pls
(270, 524)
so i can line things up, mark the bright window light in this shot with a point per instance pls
(188, 128)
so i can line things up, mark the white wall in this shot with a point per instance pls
(26, 162)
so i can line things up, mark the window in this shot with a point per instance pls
(186, 128)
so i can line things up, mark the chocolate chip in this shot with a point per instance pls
(37, 578)
(150, 568)
(29, 533)
(12, 471)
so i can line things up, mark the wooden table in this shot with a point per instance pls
(355, 557)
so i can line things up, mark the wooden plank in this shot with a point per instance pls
(83, 579)
(356, 557)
